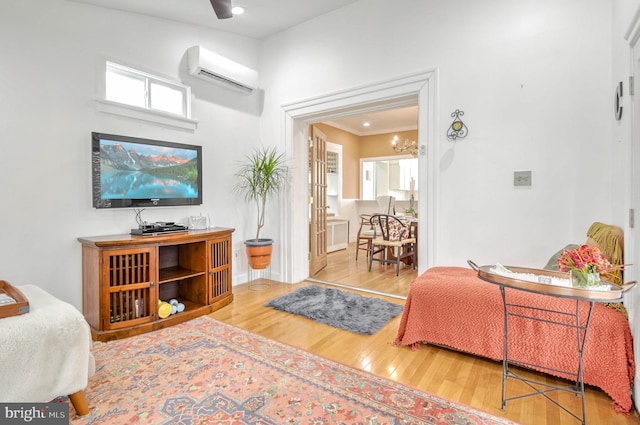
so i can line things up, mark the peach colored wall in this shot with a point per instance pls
(355, 147)
(380, 144)
(350, 158)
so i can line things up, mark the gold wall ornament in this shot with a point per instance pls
(457, 129)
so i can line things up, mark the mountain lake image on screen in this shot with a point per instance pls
(134, 172)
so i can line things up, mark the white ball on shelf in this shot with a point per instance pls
(180, 307)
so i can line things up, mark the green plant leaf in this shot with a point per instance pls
(261, 176)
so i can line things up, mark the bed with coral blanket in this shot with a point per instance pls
(452, 307)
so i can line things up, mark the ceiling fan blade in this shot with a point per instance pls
(222, 8)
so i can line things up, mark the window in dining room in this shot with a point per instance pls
(390, 176)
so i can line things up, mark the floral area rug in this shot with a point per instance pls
(207, 372)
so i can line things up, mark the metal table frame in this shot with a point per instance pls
(581, 326)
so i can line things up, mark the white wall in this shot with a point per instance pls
(50, 52)
(534, 81)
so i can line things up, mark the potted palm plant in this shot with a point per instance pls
(260, 176)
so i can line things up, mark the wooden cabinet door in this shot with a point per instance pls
(129, 287)
(219, 251)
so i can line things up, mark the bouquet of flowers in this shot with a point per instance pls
(584, 261)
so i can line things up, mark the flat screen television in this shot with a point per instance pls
(130, 172)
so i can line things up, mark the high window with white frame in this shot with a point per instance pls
(141, 95)
(137, 88)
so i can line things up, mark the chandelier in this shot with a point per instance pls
(409, 146)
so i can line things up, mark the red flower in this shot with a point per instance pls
(585, 259)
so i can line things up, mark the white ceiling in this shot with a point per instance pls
(261, 19)
(390, 121)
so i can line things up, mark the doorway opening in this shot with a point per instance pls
(416, 89)
(366, 170)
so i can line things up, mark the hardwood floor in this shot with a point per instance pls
(463, 378)
(343, 268)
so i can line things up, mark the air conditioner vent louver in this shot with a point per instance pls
(204, 72)
(215, 68)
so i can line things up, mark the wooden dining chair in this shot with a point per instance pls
(365, 235)
(391, 238)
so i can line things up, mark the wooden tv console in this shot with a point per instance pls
(125, 276)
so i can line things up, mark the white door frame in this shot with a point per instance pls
(632, 236)
(418, 88)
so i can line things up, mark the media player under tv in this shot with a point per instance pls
(157, 228)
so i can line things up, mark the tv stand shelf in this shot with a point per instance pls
(170, 274)
(125, 276)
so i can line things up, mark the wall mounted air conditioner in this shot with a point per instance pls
(212, 67)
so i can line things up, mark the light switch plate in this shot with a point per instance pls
(522, 178)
